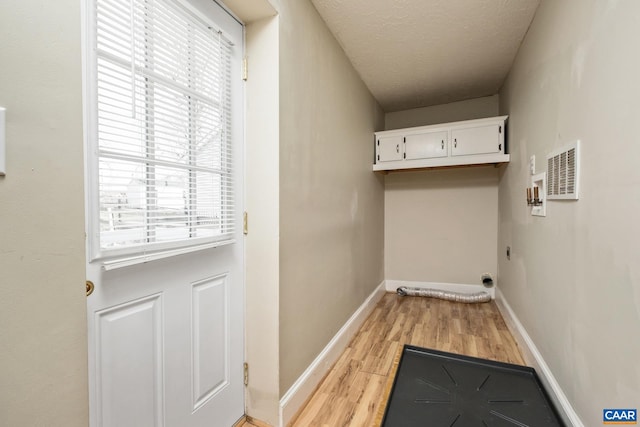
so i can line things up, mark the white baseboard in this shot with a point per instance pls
(533, 358)
(392, 285)
(301, 390)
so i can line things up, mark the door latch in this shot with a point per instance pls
(245, 223)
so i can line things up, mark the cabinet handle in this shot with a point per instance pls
(397, 148)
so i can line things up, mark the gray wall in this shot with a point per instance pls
(476, 108)
(574, 276)
(442, 225)
(43, 344)
(331, 203)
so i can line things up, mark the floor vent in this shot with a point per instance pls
(562, 172)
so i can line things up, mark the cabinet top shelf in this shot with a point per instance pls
(442, 126)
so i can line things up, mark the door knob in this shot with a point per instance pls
(90, 287)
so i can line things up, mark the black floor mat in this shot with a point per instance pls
(434, 388)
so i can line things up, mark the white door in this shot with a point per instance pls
(165, 321)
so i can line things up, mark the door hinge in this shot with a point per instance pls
(499, 129)
(246, 374)
(245, 69)
(245, 223)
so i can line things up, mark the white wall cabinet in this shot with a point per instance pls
(390, 148)
(469, 142)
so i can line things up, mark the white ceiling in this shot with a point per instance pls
(415, 53)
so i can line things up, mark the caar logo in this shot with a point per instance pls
(619, 416)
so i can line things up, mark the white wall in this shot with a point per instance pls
(574, 276)
(441, 225)
(43, 344)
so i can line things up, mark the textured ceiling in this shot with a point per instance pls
(415, 53)
(250, 10)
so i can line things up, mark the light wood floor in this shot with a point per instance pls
(352, 392)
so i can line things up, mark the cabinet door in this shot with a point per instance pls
(426, 145)
(389, 148)
(476, 140)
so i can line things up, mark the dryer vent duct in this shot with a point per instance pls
(444, 295)
(487, 280)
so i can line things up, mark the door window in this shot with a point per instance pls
(160, 141)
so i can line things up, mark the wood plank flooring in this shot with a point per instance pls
(352, 392)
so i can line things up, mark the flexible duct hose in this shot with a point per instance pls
(444, 295)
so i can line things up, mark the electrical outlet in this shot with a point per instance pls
(532, 165)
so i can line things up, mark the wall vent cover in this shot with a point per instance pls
(563, 172)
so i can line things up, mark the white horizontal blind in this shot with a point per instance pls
(163, 117)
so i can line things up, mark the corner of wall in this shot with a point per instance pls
(293, 400)
(262, 243)
(533, 358)
(331, 202)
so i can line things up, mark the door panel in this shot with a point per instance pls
(168, 336)
(129, 363)
(389, 148)
(210, 347)
(476, 140)
(426, 145)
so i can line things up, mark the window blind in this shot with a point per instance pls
(164, 154)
